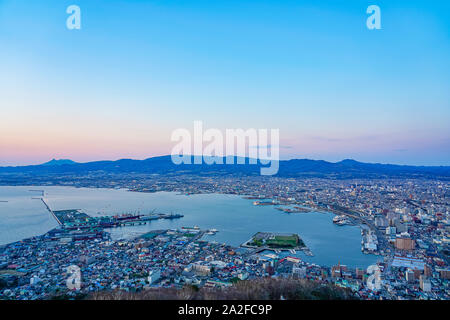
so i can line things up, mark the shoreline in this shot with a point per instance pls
(240, 196)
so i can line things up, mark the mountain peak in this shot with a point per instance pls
(349, 161)
(59, 162)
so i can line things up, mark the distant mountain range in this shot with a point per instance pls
(287, 168)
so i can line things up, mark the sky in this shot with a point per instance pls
(138, 70)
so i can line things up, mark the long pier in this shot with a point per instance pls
(41, 191)
(51, 211)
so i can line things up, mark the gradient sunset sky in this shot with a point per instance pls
(137, 70)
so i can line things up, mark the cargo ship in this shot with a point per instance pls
(127, 217)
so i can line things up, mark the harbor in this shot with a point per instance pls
(237, 219)
(74, 219)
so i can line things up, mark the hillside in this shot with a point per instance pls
(287, 168)
(260, 289)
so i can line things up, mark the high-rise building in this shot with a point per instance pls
(427, 271)
(425, 284)
(410, 276)
(405, 244)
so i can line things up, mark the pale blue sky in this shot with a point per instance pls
(139, 69)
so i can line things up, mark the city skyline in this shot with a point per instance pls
(134, 72)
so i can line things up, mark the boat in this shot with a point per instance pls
(127, 217)
(263, 203)
(340, 220)
(211, 231)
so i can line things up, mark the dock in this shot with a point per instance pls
(50, 210)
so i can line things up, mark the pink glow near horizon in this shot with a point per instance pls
(26, 148)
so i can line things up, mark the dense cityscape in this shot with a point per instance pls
(403, 221)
